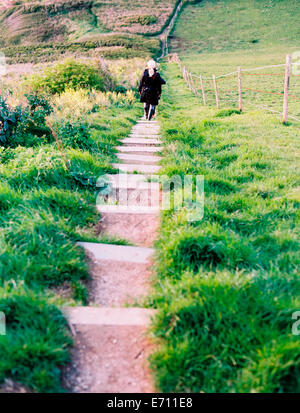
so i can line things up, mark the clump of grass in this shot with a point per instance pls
(227, 112)
(36, 343)
(142, 19)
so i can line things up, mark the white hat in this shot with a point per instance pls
(152, 64)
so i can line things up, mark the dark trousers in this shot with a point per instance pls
(149, 110)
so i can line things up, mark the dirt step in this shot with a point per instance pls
(120, 253)
(110, 350)
(139, 159)
(116, 284)
(110, 359)
(144, 169)
(138, 149)
(138, 226)
(120, 275)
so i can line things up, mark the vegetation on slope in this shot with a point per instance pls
(215, 26)
(47, 204)
(228, 285)
(76, 20)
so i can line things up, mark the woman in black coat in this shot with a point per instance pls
(150, 89)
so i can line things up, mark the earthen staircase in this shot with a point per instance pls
(111, 345)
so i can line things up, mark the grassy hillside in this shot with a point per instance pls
(75, 20)
(41, 31)
(110, 47)
(227, 25)
(228, 285)
(214, 37)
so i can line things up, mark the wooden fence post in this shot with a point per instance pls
(195, 88)
(240, 88)
(202, 90)
(216, 91)
(193, 84)
(189, 80)
(184, 73)
(286, 89)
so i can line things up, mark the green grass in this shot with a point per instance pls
(44, 210)
(37, 340)
(229, 25)
(248, 34)
(227, 285)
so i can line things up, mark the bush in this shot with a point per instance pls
(142, 19)
(73, 104)
(74, 134)
(69, 74)
(9, 119)
(21, 125)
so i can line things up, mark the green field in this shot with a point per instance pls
(227, 285)
(215, 37)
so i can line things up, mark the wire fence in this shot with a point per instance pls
(275, 88)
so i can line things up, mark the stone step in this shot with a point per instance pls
(147, 122)
(146, 126)
(126, 180)
(144, 169)
(141, 141)
(125, 209)
(139, 158)
(109, 316)
(110, 252)
(143, 131)
(132, 181)
(145, 135)
(139, 149)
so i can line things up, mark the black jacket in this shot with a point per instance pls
(150, 87)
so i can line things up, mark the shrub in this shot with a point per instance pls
(69, 74)
(9, 120)
(142, 19)
(74, 134)
(73, 104)
(21, 125)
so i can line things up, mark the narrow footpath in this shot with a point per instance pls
(111, 345)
